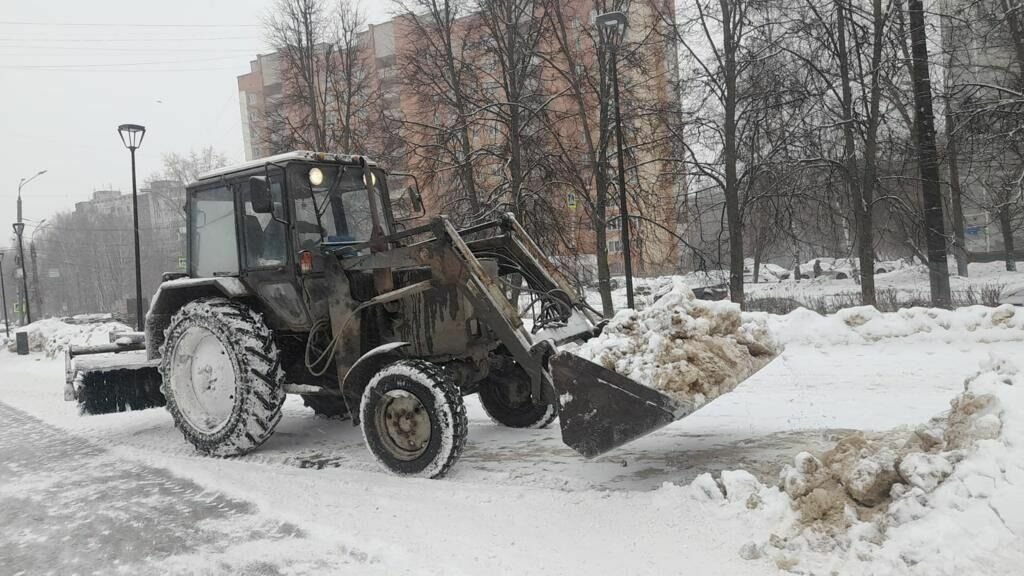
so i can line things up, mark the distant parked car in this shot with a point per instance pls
(715, 292)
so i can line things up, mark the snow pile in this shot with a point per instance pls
(863, 324)
(945, 498)
(693, 350)
(53, 335)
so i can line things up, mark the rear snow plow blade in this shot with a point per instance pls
(112, 378)
(600, 410)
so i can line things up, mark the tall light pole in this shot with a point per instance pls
(612, 28)
(131, 137)
(3, 296)
(19, 229)
(21, 184)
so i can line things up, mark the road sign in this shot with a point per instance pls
(181, 263)
(53, 273)
(571, 201)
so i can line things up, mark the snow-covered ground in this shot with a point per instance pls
(519, 502)
(907, 284)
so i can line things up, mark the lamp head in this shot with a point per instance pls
(131, 135)
(612, 27)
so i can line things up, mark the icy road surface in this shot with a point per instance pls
(81, 494)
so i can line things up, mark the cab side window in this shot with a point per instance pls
(213, 245)
(265, 238)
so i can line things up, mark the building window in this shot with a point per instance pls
(615, 246)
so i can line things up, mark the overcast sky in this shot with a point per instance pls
(72, 71)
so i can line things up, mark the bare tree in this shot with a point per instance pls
(300, 31)
(186, 168)
(438, 71)
(928, 157)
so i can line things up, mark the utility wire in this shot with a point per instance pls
(147, 39)
(121, 64)
(119, 24)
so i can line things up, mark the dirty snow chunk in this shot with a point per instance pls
(693, 350)
(707, 487)
(942, 499)
(739, 485)
(870, 480)
(806, 474)
(924, 471)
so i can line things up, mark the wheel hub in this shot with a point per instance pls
(203, 378)
(405, 423)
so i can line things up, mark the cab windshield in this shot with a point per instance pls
(332, 204)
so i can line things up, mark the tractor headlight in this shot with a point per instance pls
(316, 176)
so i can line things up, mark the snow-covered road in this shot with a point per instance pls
(519, 501)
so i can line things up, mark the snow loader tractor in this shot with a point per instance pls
(319, 275)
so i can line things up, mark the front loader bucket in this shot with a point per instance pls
(600, 410)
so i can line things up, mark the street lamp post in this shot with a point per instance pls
(19, 229)
(612, 28)
(3, 297)
(131, 137)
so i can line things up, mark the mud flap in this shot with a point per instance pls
(600, 410)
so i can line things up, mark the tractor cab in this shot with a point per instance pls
(263, 223)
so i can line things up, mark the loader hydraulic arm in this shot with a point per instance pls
(455, 262)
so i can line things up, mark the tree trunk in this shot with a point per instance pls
(1006, 227)
(956, 205)
(858, 201)
(938, 271)
(734, 218)
(865, 205)
(604, 277)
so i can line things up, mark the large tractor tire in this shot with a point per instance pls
(413, 419)
(222, 376)
(326, 406)
(506, 398)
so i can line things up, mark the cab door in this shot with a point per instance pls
(268, 259)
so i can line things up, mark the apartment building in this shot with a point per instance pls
(388, 46)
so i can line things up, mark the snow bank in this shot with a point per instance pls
(865, 324)
(693, 350)
(945, 498)
(53, 335)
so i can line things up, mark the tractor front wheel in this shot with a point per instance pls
(413, 419)
(222, 376)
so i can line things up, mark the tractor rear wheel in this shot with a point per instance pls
(222, 376)
(506, 398)
(413, 419)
